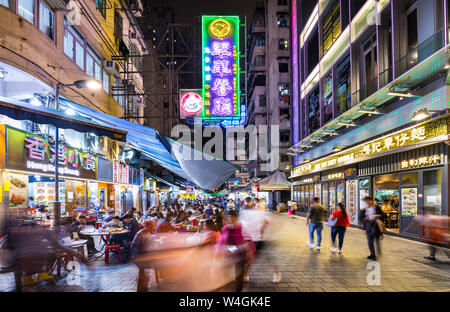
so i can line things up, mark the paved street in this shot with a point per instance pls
(402, 266)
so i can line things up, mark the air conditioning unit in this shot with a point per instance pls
(111, 67)
(133, 35)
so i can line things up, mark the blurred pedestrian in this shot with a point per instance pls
(314, 221)
(368, 218)
(239, 245)
(255, 221)
(435, 231)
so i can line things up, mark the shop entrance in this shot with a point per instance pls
(387, 197)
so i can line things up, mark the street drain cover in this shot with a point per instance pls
(431, 276)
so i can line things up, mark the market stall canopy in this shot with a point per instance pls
(206, 172)
(275, 182)
(23, 111)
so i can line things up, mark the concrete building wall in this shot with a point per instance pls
(24, 46)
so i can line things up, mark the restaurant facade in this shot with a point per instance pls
(87, 181)
(406, 170)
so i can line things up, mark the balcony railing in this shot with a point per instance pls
(420, 53)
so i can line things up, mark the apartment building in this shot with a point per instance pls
(268, 79)
(370, 106)
(45, 43)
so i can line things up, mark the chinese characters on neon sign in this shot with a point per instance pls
(38, 149)
(404, 138)
(220, 66)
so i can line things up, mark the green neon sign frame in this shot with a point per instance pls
(206, 38)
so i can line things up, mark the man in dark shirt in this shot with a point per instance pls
(76, 227)
(316, 216)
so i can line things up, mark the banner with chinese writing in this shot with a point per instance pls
(400, 139)
(30, 152)
(221, 72)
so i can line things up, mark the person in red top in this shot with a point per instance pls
(339, 227)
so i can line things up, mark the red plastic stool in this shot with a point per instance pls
(112, 247)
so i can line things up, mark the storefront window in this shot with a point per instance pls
(306, 197)
(332, 195)
(302, 199)
(409, 178)
(340, 194)
(432, 191)
(325, 194)
(387, 197)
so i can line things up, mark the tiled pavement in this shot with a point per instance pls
(402, 267)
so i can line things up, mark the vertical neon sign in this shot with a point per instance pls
(221, 70)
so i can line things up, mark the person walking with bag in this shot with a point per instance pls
(338, 221)
(369, 219)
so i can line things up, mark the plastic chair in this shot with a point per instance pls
(111, 248)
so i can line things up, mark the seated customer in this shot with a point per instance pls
(115, 223)
(76, 227)
(109, 217)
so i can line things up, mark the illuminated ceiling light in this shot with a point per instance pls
(35, 102)
(332, 133)
(370, 112)
(305, 145)
(346, 124)
(3, 73)
(93, 84)
(306, 160)
(290, 154)
(401, 93)
(422, 114)
(336, 149)
(316, 140)
(447, 65)
(70, 112)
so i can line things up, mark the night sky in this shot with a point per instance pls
(186, 10)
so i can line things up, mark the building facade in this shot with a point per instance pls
(45, 44)
(370, 100)
(59, 43)
(268, 78)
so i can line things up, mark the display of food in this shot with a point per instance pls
(16, 200)
(79, 189)
(18, 183)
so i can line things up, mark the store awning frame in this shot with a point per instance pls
(22, 111)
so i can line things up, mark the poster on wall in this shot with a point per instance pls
(317, 190)
(409, 201)
(351, 201)
(18, 193)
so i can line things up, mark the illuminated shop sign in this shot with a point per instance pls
(191, 103)
(309, 180)
(121, 173)
(30, 152)
(395, 141)
(220, 59)
(420, 162)
(335, 176)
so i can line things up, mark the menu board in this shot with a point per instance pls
(352, 210)
(18, 193)
(409, 201)
(44, 194)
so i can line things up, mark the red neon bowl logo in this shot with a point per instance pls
(191, 102)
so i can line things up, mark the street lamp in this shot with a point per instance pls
(88, 83)
(421, 114)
